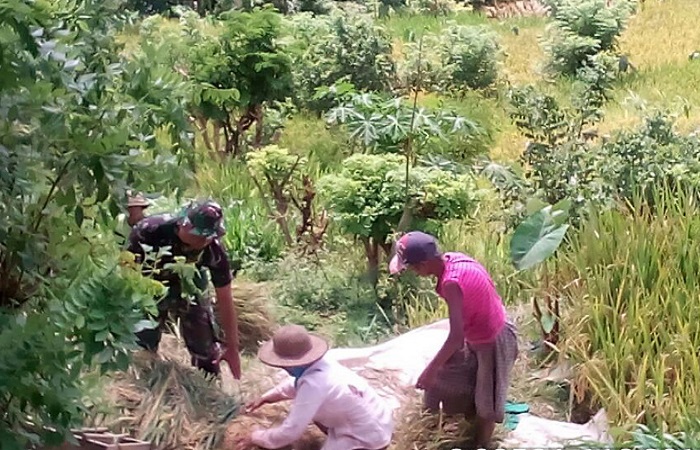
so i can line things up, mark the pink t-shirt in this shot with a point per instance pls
(483, 311)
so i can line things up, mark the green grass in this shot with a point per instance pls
(308, 135)
(404, 26)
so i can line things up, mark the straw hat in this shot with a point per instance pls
(137, 200)
(292, 346)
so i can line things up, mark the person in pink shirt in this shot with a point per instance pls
(470, 374)
(341, 403)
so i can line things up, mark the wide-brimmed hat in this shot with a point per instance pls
(137, 200)
(292, 346)
(413, 248)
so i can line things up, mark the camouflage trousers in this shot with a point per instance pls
(197, 326)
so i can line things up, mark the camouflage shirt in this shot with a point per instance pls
(160, 231)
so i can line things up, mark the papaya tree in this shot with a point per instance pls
(367, 199)
(394, 125)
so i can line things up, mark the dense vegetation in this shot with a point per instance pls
(325, 128)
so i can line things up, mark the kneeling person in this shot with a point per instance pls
(340, 402)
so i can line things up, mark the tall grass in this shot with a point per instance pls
(633, 326)
(250, 232)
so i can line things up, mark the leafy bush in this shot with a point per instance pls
(562, 163)
(236, 72)
(78, 128)
(639, 161)
(458, 59)
(337, 48)
(583, 28)
(469, 57)
(368, 196)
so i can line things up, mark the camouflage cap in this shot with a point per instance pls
(206, 218)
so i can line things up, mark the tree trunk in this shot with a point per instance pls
(258, 142)
(281, 218)
(372, 253)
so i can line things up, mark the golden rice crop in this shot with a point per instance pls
(633, 326)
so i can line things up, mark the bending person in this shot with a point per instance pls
(340, 402)
(470, 374)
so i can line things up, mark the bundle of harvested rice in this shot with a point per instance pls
(255, 317)
(417, 429)
(265, 417)
(168, 403)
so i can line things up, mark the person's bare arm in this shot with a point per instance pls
(229, 319)
(283, 391)
(455, 339)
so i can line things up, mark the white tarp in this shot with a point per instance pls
(403, 358)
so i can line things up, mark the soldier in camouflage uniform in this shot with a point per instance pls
(194, 234)
(136, 206)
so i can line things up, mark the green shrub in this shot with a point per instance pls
(581, 29)
(367, 199)
(77, 129)
(655, 154)
(460, 58)
(337, 48)
(469, 57)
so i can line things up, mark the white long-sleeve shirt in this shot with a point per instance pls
(337, 398)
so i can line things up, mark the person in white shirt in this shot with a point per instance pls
(340, 402)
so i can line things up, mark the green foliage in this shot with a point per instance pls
(390, 126)
(582, 29)
(638, 161)
(274, 163)
(459, 58)
(339, 48)
(564, 163)
(235, 69)
(469, 57)
(89, 319)
(560, 159)
(539, 236)
(79, 126)
(644, 437)
(368, 196)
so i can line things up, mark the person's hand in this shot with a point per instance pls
(246, 443)
(233, 359)
(254, 404)
(426, 379)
